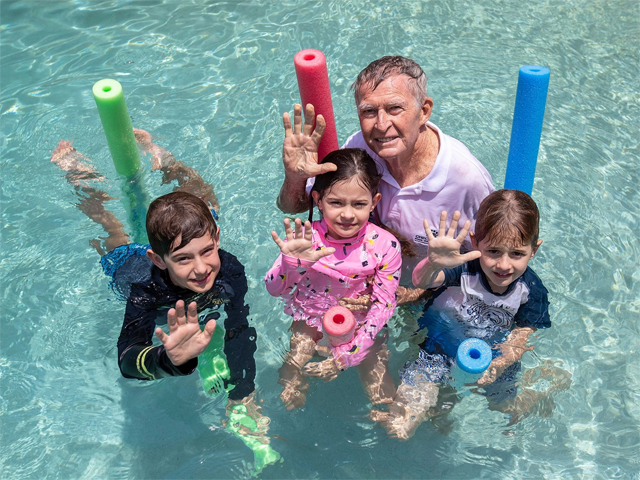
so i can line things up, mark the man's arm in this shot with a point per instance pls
(300, 158)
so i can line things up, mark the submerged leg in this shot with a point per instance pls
(374, 373)
(188, 179)
(302, 349)
(91, 200)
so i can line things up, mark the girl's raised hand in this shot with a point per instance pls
(299, 244)
(444, 250)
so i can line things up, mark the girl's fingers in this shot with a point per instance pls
(287, 229)
(277, 239)
(298, 228)
(308, 233)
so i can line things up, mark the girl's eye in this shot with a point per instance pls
(335, 204)
(361, 205)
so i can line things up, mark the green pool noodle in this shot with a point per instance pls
(117, 126)
(212, 365)
(263, 454)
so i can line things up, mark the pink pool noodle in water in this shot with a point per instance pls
(339, 325)
(313, 83)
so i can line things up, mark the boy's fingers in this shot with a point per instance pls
(443, 223)
(463, 233)
(467, 257)
(454, 224)
(427, 230)
(161, 335)
(171, 319)
(209, 328)
(192, 313)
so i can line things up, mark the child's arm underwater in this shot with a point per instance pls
(444, 252)
(511, 351)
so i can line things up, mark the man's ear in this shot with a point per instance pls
(535, 249)
(376, 199)
(427, 108)
(474, 242)
(156, 259)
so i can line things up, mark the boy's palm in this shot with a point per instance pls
(299, 243)
(444, 250)
(185, 339)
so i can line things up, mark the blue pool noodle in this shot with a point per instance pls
(474, 355)
(528, 114)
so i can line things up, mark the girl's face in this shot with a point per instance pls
(503, 264)
(346, 207)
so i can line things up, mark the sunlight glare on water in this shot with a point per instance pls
(210, 81)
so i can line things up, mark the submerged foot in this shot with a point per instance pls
(70, 160)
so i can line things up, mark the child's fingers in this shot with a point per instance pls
(467, 257)
(192, 313)
(163, 337)
(453, 226)
(308, 232)
(209, 329)
(443, 223)
(287, 229)
(172, 322)
(463, 233)
(427, 230)
(180, 316)
(277, 239)
(298, 232)
(325, 252)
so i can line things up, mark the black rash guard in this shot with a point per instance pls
(147, 305)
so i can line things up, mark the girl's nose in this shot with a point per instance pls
(347, 212)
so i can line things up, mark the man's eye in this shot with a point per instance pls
(395, 110)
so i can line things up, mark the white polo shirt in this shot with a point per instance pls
(458, 181)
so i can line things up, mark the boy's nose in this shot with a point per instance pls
(200, 266)
(503, 263)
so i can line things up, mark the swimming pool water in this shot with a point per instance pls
(210, 81)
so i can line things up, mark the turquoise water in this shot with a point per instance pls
(210, 81)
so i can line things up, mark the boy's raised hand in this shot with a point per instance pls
(300, 147)
(185, 339)
(299, 244)
(444, 250)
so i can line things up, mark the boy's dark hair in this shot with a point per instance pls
(381, 69)
(177, 215)
(351, 162)
(507, 214)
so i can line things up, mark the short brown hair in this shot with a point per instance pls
(379, 70)
(177, 215)
(508, 215)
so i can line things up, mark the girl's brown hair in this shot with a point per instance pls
(508, 216)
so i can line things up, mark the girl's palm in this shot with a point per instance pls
(299, 244)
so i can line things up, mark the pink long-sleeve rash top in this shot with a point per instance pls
(369, 263)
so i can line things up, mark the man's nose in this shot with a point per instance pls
(382, 120)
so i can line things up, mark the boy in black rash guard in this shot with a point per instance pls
(182, 279)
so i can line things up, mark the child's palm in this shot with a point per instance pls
(444, 250)
(299, 244)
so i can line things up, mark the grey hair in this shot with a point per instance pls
(383, 68)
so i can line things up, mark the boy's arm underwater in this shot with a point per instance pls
(511, 351)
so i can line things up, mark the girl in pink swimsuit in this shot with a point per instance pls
(341, 256)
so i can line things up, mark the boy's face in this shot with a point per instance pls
(503, 264)
(194, 266)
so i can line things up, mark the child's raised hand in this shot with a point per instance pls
(444, 250)
(299, 244)
(300, 147)
(185, 340)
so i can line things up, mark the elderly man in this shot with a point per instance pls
(424, 171)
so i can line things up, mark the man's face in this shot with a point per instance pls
(390, 118)
(194, 266)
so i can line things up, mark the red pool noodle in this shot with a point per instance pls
(313, 83)
(339, 325)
